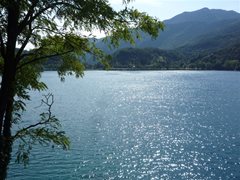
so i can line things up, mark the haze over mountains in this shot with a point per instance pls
(204, 39)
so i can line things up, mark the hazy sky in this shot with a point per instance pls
(165, 9)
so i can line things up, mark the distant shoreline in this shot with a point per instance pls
(169, 69)
(152, 69)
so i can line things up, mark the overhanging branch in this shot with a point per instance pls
(43, 57)
(28, 15)
(41, 11)
(24, 44)
(49, 100)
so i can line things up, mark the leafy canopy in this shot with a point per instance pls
(54, 29)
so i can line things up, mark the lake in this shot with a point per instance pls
(141, 125)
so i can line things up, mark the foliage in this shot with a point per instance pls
(154, 58)
(146, 58)
(44, 132)
(53, 28)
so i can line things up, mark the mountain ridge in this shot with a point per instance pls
(178, 33)
(202, 39)
(202, 14)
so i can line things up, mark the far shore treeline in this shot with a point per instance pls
(156, 59)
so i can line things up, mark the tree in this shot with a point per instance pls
(232, 65)
(53, 28)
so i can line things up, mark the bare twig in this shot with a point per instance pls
(48, 101)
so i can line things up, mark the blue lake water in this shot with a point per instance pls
(141, 125)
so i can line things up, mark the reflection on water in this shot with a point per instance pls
(142, 125)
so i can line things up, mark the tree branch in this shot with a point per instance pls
(24, 22)
(49, 102)
(50, 6)
(43, 57)
(18, 56)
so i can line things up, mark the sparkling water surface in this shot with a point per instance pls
(141, 125)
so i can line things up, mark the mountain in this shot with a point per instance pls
(187, 29)
(203, 39)
(190, 27)
(203, 15)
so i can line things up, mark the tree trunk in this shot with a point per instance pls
(6, 92)
(8, 83)
(3, 98)
(3, 104)
(8, 117)
(10, 63)
(5, 156)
